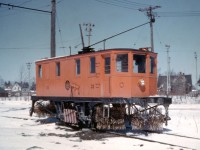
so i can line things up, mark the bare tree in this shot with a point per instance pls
(1, 82)
(22, 75)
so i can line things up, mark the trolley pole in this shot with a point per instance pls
(82, 39)
(53, 28)
(151, 17)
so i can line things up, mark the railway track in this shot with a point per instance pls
(189, 137)
(124, 134)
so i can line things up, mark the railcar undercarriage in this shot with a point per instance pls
(147, 113)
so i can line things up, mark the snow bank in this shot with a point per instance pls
(185, 100)
(20, 131)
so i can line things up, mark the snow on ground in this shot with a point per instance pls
(19, 131)
(185, 100)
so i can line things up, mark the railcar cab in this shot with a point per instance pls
(133, 73)
(140, 61)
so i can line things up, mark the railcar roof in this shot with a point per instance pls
(96, 52)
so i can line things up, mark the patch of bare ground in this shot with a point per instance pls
(93, 135)
(83, 135)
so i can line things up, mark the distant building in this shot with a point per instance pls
(3, 93)
(180, 84)
(16, 89)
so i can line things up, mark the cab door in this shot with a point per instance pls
(106, 76)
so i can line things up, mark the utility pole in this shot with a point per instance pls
(168, 70)
(88, 28)
(169, 61)
(70, 50)
(151, 17)
(29, 76)
(195, 56)
(53, 28)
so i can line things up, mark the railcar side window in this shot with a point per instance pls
(122, 63)
(152, 64)
(58, 69)
(40, 71)
(139, 63)
(78, 65)
(107, 65)
(92, 65)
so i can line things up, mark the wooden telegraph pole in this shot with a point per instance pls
(151, 17)
(53, 28)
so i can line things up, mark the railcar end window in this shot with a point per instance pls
(58, 69)
(92, 65)
(40, 71)
(107, 65)
(78, 65)
(139, 63)
(152, 64)
(122, 63)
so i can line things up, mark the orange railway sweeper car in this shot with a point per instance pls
(107, 89)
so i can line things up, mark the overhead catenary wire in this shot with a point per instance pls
(136, 3)
(61, 39)
(113, 4)
(17, 11)
(127, 4)
(28, 8)
(158, 36)
(138, 37)
(118, 34)
(121, 4)
(25, 2)
(179, 14)
(59, 1)
(22, 48)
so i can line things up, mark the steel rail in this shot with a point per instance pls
(148, 140)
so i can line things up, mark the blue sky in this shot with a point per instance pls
(25, 34)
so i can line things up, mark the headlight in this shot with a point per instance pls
(141, 82)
